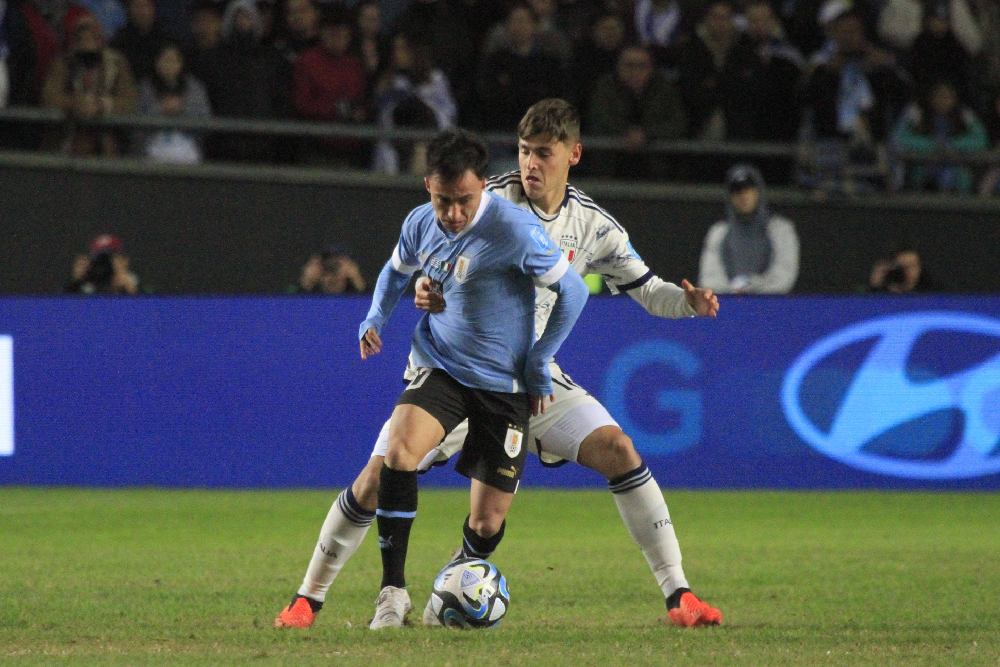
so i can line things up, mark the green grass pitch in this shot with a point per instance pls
(162, 577)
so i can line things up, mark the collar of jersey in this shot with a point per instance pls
(483, 203)
(546, 217)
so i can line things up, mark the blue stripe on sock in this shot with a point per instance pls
(395, 515)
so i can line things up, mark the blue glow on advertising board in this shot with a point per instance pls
(782, 392)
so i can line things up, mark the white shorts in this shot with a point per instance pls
(554, 436)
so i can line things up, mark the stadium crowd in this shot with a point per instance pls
(855, 82)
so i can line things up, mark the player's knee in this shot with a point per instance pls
(612, 454)
(486, 524)
(401, 456)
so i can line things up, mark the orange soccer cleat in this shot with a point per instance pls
(298, 614)
(693, 613)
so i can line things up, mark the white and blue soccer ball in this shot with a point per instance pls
(470, 593)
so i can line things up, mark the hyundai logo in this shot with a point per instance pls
(882, 399)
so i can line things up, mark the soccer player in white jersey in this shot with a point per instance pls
(576, 427)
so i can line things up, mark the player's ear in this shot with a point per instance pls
(427, 183)
(575, 153)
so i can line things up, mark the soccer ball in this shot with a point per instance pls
(470, 593)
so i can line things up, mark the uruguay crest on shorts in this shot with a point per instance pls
(462, 268)
(512, 443)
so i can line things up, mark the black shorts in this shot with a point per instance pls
(495, 447)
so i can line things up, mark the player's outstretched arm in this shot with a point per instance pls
(573, 294)
(390, 286)
(703, 301)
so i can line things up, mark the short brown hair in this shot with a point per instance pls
(552, 118)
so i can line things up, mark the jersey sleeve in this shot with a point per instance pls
(541, 259)
(404, 255)
(616, 260)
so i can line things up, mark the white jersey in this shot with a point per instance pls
(594, 242)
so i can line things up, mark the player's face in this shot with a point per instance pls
(457, 201)
(545, 168)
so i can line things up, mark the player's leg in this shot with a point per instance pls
(430, 407)
(346, 525)
(578, 428)
(493, 459)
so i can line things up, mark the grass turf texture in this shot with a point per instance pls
(155, 577)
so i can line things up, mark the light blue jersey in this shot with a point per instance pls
(485, 337)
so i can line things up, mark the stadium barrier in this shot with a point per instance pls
(782, 392)
(237, 229)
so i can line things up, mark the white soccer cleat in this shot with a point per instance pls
(430, 615)
(391, 608)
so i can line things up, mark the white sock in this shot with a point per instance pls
(641, 504)
(345, 527)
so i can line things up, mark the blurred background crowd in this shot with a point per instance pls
(875, 95)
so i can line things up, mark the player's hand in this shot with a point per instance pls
(427, 298)
(371, 344)
(538, 404)
(704, 301)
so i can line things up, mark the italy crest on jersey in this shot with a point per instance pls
(512, 443)
(462, 265)
(568, 246)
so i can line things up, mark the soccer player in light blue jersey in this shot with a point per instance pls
(478, 360)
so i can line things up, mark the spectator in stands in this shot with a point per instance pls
(171, 90)
(597, 56)
(900, 21)
(329, 85)
(111, 14)
(46, 34)
(901, 272)
(206, 28)
(777, 72)
(575, 18)
(268, 19)
(141, 38)
(90, 81)
(658, 25)
(413, 93)
(989, 185)
(937, 54)
(751, 251)
(639, 105)
(18, 59)
(299, 29)
(370, 44)
(445, 26)
(853, 95)
(515, 77)
(716, 68)
(800, 19)
(245, 78)
(549, 38)
(939, 125)
(985, 76)
(331, 272)
(104, 270)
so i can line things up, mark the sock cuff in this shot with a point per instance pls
(352, 510)
(630, 480)
(397, 493)
(476, 546)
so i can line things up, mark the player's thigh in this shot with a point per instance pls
(431, 406)
(451, 445)
(555, 435)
